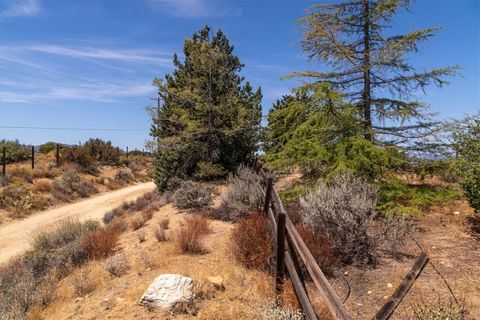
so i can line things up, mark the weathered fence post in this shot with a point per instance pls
(33, 157)
(57, 154)
(268, 195)
(280, 262)
(4, 161)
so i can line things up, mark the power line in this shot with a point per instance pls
(72, 129)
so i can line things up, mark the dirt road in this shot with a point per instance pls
(16, 237)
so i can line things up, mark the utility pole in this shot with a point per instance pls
(158, 118)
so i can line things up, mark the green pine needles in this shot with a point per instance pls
(210, 119)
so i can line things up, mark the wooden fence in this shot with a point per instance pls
(290, 251)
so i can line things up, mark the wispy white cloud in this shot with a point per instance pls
(101, 92)
(144, 56)
(196, 8)
(19, 8)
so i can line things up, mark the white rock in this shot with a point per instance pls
(456, 213)
(389, 285)
(166, 290)
(369, 292)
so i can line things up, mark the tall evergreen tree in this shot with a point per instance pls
(210, 116)
(369, 66)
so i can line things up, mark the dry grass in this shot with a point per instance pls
(164, 223)
(42, 185)
(190, 236)
(160, 234)
(137, 222)
(101, 242)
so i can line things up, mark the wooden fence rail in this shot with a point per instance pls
(289, 247)
(288, 243)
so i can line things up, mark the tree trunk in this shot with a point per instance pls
(367, 114)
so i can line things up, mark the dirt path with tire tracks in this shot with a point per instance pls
(16, 237)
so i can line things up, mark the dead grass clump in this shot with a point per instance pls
(147, 214)
(82, 283)
(118, 224)
(20, 172)
(118, 265)
(147, 260)
(164, 223)
(42, 185)
(160, 233)
(137, 222)
(252, 242)
(141, 236)
(190, 236)
(191, 195)
(244, 194)
(100, 243)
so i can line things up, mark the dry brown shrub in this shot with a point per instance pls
(42, 185)
(137, 222)
(320, 248)
(83, 283)
(147, 214)
(252, 242)
(190, 236)
(118, 224)
(100, 243)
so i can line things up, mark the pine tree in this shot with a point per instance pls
(210, 116)
(370, 67)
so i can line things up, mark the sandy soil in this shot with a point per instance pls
(15, 237)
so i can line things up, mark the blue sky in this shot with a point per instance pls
(88, 64)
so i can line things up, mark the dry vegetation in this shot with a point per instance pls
(108, 268)
(24, 190)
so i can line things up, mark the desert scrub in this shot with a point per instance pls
(20, 201)
(117, 265)
(82, 283)
(124, 176)
(191, 234)
(244, 194)
(191, 195)
(70, 185)
(343, 210)
(31, 280)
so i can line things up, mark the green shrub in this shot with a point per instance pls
(467, 147)
(401, 198)
(47, 147)
(209, 171)
(15, 152)
(78, 155)
(102, 151)
(20, 201)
